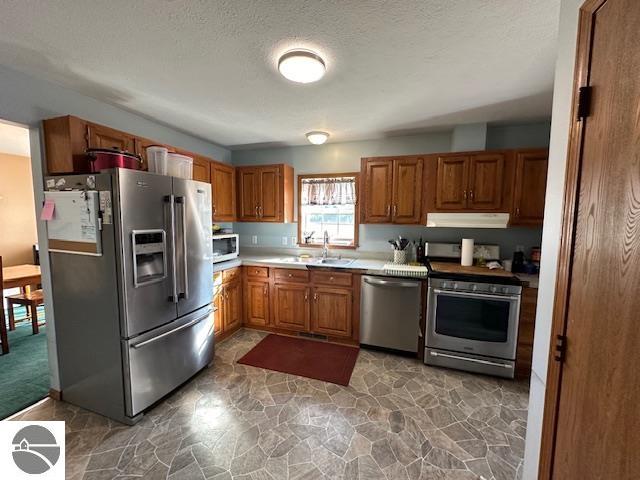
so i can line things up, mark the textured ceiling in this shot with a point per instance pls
(208, 67)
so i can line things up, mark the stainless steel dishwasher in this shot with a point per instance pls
(390, 310)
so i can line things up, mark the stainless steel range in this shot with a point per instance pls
(472, 321)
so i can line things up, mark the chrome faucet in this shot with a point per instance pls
(325, 245)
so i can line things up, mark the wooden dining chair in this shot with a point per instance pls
(3, 325)
(31, 300)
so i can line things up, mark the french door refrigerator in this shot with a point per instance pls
(136, 321)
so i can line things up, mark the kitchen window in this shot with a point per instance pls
(328, 202)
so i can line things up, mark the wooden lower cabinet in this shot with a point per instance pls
(332, 311)
(256, 302)
(218, 304)
(526, 328)
(232, 307)
(291, 307)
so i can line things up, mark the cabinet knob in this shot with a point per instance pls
(315, 297)
(471, 194)
(265, 291)
(331, 279)
(388, 210)
(464, 194)
(290, 276)
(517, 212)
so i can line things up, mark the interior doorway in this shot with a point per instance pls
(24, 365)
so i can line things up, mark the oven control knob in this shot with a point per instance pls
(505, 289)
(455, 286)
(494, 289)
(445, 285)
(474, 287)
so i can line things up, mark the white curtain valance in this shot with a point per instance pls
(329, 191)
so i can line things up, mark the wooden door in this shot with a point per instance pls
(332, 311)
(223, 197)
(200, 169)
(105, 137)
(270, 203)
(378, 191)
(407, 190)
(530, 187)
(218, 304)
(256, 303)
(291, 307)
(592, 412)
(485, 182)
(451, 183)
(248, 185)
(232, 306)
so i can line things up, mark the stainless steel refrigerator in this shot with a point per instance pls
(135, 321)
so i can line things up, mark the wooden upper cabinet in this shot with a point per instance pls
(452, 181)
(65, 142)
(256, 303)
(407, 190)
(269, 206)
(530, 187)
(104, 137)
(485, 182)
(265, 193)
(201, 169)
(377, 191)
(223, 197)
(248, 185)
(332, 311)
(291, 307)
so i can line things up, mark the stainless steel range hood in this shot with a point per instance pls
(468, 220)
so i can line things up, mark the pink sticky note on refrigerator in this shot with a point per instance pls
(47, 210)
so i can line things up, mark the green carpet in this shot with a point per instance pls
(24, 371)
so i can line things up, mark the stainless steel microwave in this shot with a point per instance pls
(225, 247)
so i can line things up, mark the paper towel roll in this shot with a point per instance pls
(467, 252)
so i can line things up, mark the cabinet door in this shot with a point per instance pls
(530, 189)
(223, 186)
(451, 183)
(407, 190)
(201, 169)
(248, 185)
(232, 306)
(218, 303)
(257, 303)
(485, 182)
(105, 137)
(332, 311)
(270, 204)
(378, 191)
(291, 307)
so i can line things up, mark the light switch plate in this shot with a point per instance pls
(284, 241)
(254, 239)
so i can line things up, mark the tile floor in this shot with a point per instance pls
(398, 419)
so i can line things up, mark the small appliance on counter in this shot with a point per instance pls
(472, 312)
(226, 246)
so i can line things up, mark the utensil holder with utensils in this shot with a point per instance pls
(400, 257)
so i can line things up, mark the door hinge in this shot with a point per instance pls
(561, 348)
(584, 102)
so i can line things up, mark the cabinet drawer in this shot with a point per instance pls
(332, 278)
(230, 275)
(257, 272)
(284, 275)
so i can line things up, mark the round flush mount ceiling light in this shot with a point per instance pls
(301, 66)
(317, 138)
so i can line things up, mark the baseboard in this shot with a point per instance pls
(55, 394)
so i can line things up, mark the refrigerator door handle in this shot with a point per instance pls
(171, 332)
(172, 235)
(183, 229)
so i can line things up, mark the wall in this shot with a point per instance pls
(530, 135)
(17, 210)
(27, 101)
(345, 157)
(560, 124)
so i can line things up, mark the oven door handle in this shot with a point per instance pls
(496, 296)
(468, 359)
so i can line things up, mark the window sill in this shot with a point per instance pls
(330, 246)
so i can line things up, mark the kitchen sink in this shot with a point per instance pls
(341, 262)
(334, 261)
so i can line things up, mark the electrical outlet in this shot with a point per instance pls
(254, 239)
(294, 241)
(284, 241)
